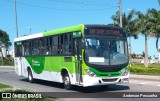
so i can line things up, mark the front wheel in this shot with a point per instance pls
(30, 76)
(67, 82)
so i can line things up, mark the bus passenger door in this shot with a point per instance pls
(18, 58)
(78, 58)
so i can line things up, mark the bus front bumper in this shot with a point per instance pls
(96, 81)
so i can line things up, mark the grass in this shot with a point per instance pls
(152, 69)
(2, 86)
(7, 63)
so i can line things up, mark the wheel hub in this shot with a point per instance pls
(66, 80)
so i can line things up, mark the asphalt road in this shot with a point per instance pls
(8, 76)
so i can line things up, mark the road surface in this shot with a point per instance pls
(8, 76)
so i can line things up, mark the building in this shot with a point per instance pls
(6, 52)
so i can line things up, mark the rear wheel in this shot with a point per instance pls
(67, 82)
(30, 76)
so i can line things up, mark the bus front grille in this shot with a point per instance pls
(108, 75)
(110, 80)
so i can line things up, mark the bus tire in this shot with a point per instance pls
(67, 82)
(30, 76)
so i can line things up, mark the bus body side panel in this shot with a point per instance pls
(57, 63)
(18, 64)
(49, 67)
(54, 65)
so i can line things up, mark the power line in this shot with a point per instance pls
(84, 3)
(10, 29)
(43, 7)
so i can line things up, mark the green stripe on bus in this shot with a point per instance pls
(64, 30)
(50, 63)
(36, 63)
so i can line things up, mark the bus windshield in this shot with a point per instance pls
(102, 51)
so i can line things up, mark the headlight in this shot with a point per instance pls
(124, 71)
(90, 73)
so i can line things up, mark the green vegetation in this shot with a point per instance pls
(6, 62)
(136, 23)
(153, 69)
(130, 23)
(4, 86)
(4, 41)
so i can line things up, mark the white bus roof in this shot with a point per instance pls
(29, 37)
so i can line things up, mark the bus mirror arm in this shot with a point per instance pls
(80, 57)
(82, 45)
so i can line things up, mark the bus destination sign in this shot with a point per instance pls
(107, 32)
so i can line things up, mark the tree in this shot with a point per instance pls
(129, 23)
(145, 25)
(155, 20)
(143, 54)
(4, 41)
(133, 55)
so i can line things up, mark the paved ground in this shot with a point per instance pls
(137, 84)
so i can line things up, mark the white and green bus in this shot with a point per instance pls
(82, 55)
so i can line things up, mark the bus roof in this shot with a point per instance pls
(29, 37)
(52, 32)
(64, 30)
(79, 27)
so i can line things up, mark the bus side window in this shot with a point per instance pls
(42, 46)
(49, 47)
(48, 50)
(60, 44)
(26, 50)
(29, 47)
(67, 43)
(35, 47)
(19, 51)
(54, 45)
(16, 49)
(61, 40)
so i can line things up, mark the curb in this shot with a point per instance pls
(145, 77)
(11, 88)
(6, 66)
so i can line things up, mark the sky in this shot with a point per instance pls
(45, 15)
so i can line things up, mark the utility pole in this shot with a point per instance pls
(15, 11)
(120, 12)
(130, 47)
(30, 29)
